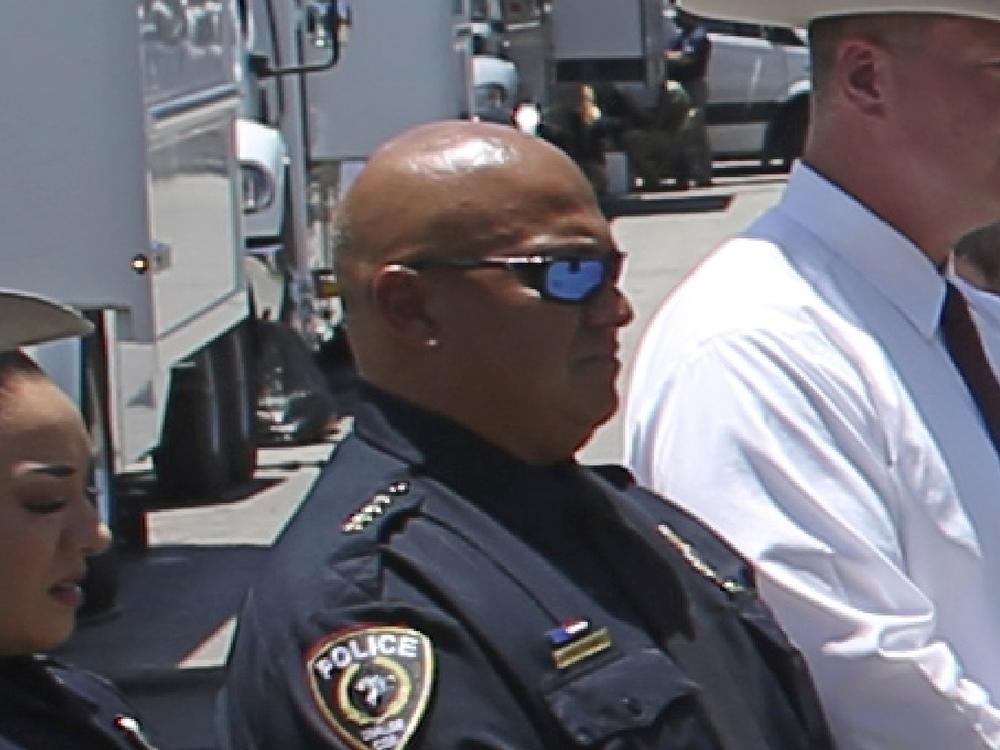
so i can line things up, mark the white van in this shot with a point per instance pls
(758, 89)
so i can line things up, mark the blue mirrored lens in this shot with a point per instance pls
(573, 279)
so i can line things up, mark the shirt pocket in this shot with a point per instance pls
(623, 696)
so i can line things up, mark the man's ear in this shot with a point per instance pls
(401, 298)
(862, 67)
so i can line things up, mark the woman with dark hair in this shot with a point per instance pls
(48, 528)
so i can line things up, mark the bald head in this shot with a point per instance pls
(436, 316)
(447, 187)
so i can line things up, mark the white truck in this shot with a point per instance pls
(122, 197)
(559, 45)
(332, 117)
(758, 89)
(758, 77)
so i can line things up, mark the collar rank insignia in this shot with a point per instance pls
(574, 640)
(690, 555)
(372, 683)
(362, 518)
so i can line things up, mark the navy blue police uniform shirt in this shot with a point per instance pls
(697, 48)
(434, 592)
(45, 704)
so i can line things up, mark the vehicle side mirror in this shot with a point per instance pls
(325, 26)
(322, 22)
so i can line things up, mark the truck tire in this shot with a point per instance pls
(209, 435)
(191, 460)
(236, 370)
(100, 584)
(792, 132)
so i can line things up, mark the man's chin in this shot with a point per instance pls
(598, 412)
(607, 414)
(603, 385)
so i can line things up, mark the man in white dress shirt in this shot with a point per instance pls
(796, 391)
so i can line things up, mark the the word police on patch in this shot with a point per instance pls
(372, 683)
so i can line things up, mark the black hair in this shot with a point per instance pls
(15, 364)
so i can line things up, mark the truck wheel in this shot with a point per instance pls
(191, 460)
(100, 584)
(793, 131)
(236, 369)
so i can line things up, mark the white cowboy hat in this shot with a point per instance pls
(801, 12)
(31, 319)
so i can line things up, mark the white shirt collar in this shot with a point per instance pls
(876, 250)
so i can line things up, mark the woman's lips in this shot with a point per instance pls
(67, 593)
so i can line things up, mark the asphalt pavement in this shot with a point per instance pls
(166, 642)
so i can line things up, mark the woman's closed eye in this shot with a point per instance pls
(46, 506)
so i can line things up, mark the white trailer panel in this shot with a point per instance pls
(73, 205)
(405, 64)
(585, 29)
(118, 125)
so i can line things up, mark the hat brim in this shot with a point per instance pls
(27, 319)
(796, 13)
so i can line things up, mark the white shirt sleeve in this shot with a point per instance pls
(787, 455)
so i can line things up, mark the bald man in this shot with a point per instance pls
(455, 579)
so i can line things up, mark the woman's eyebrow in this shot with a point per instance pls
(32, 468)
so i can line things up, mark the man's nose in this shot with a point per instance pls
(609, 307)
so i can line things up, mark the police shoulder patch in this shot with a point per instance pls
(372, 683)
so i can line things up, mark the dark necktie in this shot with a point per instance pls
(963, 343)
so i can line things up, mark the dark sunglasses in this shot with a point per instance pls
(572, 279)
